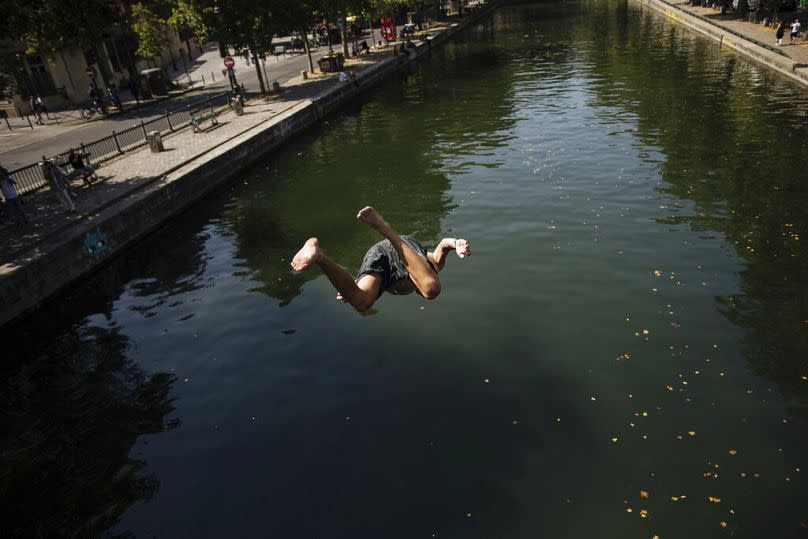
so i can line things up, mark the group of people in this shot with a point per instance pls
(781, 30)
(58, 180)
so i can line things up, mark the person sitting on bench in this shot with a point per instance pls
(76, 159)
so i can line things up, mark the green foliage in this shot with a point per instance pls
(150, 31)
(47, 25)
(188, 15)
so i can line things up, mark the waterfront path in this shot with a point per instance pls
(796, 54)
(24, 146)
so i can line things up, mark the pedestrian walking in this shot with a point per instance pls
(11, 198)
(781, 29)
(113, 97)
(58, 184)
(134, 89)
(41, 104)
(35, 110)
(795, 30)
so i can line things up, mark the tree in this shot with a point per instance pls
(48, 25)
(150, 31)
(188, 18)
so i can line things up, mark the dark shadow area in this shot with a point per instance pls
(47, 215)
(71, 410)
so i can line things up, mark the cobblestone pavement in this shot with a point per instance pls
(132, 171)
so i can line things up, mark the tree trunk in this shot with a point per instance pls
(372, 34)
(257, 63)
(328, 34)
(344, 33)
(308, 50)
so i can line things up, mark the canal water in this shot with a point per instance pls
(625, 354)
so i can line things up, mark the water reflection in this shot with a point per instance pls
(741, 183)
(71, 415)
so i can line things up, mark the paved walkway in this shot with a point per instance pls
(798, 52)
(132, 171)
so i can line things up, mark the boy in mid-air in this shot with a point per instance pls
(399, 265)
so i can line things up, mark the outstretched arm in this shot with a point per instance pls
(445, 246)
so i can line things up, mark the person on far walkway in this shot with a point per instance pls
(781, 29)
(58, 185)
(35, 110)
(795, 30)
(11, 197)
(76, 160)
(113, 97)
(42, 108)
(134, 89)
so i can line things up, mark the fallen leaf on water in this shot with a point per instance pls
(723, 524)
(691, 432)
(733, 452)
(614, 440)
(713, 499)
(629, 510)
(644, 493)
(644, 513)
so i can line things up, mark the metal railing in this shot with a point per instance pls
(29, 178)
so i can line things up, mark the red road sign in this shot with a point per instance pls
(89, 71)
(229, 62)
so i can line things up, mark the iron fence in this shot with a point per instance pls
(29, 178)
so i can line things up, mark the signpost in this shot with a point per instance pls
(229, 63)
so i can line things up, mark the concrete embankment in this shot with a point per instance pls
(81, 249)
(730, 40)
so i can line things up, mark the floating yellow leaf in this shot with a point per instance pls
(714, 499)
(723, 524)
(691, 432)
(644, 513)
(644, 493)
(733, 452)
(614, 440)
(629, 510)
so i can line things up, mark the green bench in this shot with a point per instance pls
(198, 118)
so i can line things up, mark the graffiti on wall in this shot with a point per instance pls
(95, 246)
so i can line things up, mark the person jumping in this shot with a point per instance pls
(398, 265)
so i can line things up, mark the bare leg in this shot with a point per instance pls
(422, 274)
(361, 297)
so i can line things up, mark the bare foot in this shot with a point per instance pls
(462, 248)
(306, 255)
(371, 217)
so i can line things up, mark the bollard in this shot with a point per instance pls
(28, 117)
(276, 86)
(7, 124)
(304, 74)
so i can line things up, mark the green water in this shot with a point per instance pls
(632, 321)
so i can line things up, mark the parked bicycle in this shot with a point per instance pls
(93, 108)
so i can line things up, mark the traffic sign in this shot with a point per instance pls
(229, 62)
(89, 71)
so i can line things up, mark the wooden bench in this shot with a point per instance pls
(198, 118)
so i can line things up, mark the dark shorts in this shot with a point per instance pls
(383, 260)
